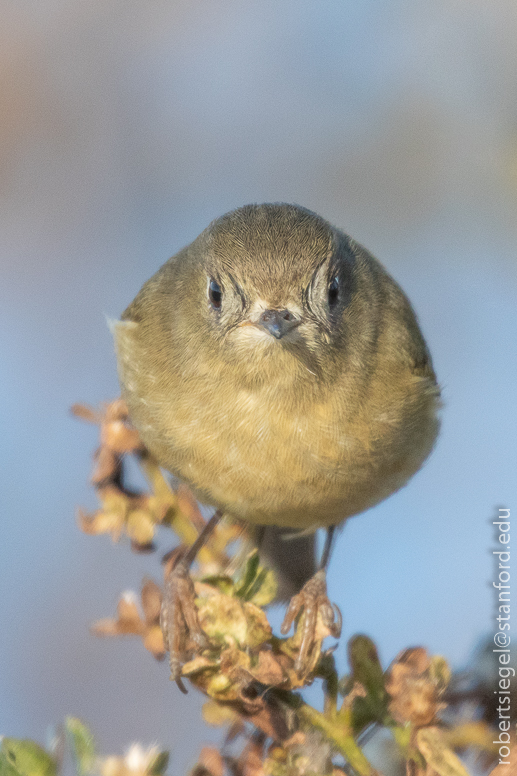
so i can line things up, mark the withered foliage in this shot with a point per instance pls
(248, 673)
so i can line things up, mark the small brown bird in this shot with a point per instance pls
(276, 367)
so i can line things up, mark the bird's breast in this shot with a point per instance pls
(267, 459)
(277, 453)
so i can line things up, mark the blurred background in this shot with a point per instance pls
(125, 127)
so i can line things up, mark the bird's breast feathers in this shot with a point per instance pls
(265, 458)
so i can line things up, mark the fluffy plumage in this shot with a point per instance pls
(301, 430)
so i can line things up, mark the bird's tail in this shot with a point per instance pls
(292, 555)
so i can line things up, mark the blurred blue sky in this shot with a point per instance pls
(125, 127)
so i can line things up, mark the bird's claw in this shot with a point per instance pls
(313, 599)
(182, 631)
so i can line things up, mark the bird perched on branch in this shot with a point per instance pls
(276, 367)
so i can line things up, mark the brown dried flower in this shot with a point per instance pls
(129, 620)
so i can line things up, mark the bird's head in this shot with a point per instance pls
(272, 284)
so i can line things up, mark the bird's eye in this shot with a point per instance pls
(333, 292)
(215, 294)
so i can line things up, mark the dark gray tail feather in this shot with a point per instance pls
(292, 555)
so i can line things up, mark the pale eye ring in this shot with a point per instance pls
(333, 291)
(215, 294)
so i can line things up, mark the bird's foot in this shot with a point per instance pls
(182, 631)
(313, 599)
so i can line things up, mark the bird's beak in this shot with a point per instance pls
(278, 322)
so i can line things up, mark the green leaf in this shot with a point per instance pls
(258, 584)
(24, 757)
(6, 769)
(265, 588)
(82, 744)
(223, 583)
(248, 575)
(367, 670)
(159, 764)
